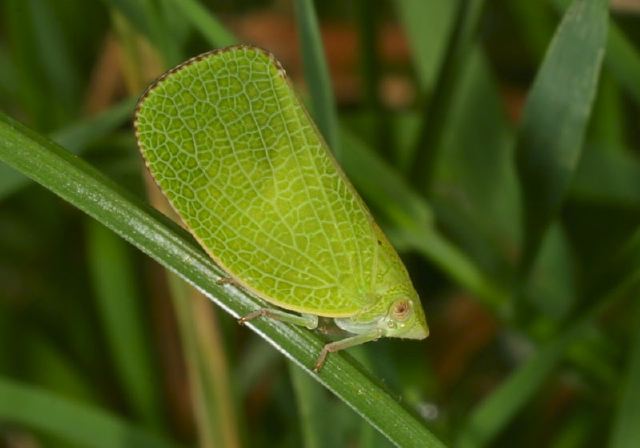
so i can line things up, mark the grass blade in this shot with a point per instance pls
(428, 25)
(313, 410)
(119, 306)
(437, 109)
(207, 368)
(202, 20)
(626, 431)
(75, 137)
(77, 423)
(494, 413)
(623, 59)
(555, 117)
(316, 73)
(75, 181)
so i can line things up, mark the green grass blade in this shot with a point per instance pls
(313, 410)
(498, 409)
(56, 56)
(316, 73)
(202, 20)
(623, 59)
(494, 413)
(75, 181)
(626, 431)
(81, 424)
(436, 111)
(428, 27)
(608, 177)
(146, 16)
(120, 309)
(75, 137)
(203, 348)
(555, 117)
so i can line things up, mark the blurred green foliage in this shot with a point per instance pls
(497, 144)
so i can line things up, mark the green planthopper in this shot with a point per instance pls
(237, 156)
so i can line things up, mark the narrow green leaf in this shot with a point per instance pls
(146, 17)
(31, 88)
(608, 177)
(437, 109)
(81, 424)
(316, 73)
(75, 137)
(56, 56)
(623, 59)
(494, 413)
(555, 117)
(120, 309)
(626, 431)
(428, 27)
(202, 20)
(75, 181)
(313, 410)
(203, 347)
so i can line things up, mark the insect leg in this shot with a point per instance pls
(343, 344)
(227, 281)
(305, 320)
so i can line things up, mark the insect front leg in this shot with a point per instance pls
(305, 320)
(345, 343)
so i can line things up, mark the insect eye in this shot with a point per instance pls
(401, 309)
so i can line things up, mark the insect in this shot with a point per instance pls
(236, 154)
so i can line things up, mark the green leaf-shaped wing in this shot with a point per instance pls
(236, 154)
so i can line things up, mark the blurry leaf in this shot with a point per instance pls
(535, 23)
(608, 177)
(257, 361)
(493, 414)
(134, 12)
(551, 287)
(209, 382)
(85, 425)
(377, 115)
(490, 417)
(75, 137)
(475, 189)
(623, 59)
(608, 122)
(626, 431)
(51, 368)
(202, 20)
(428, 27)
(555, 117)
(314, 414)
(316, 74)
(578, 431)
(31, 89)
(175, 24)
(145, 15)
(75, 181)
(120, 309)
(8, 77)
(56, 57)
(437, 109)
